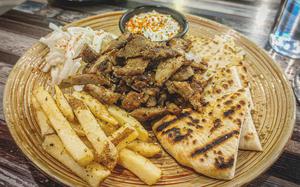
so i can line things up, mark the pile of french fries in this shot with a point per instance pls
(90, 138)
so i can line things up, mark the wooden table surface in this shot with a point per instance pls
(25, 24)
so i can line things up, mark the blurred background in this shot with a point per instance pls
(6, 5)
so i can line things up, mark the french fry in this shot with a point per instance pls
(123, 136)
(93, 173)
(77, 149)
(140, 166)
(124, 118)
(90, 146)
(97, 157)
(78, 129)
(103, 146)
(146, 149)
(107, 127)
(96, 107)
(41, 118)
(63, 104)
(95, 170)
(87, 143)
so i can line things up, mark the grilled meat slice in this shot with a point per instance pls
(139, 85)
(170, 87)
(201, 66)
(202, 80)
(141, 46)
(157, 53)
(173, 108)
(134, 47)
(163, 96)
(145, 114)
(101, 65)
(182, 88)
(151, 91)
(196, 101)
(83, 79)
(112, 57)
(180, 101)
(88, 54)
(196, 86)
(102, 94)
(106, 41)
(167, 68)
(118, 43)
(122, 87)
(105, 66)
(132, 100)
(139, 82)
(183, 74)
(151, 102)
(180, 45)
(133, 66)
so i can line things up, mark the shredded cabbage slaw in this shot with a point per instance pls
(64, 47)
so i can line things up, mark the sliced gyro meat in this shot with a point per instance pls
(143, 114)
(151, 102)
(196, 101)
(132, 100)
(180, 45)
(133, 66)
(118, 43)
(102, 94)
(134, 47)
(182, 88)
(102, 64)
(88, 54)
(167, 68)
(173, 108)
(183, 74)
(83, 79)
(159, 53)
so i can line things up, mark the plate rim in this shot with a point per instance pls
(50, 173)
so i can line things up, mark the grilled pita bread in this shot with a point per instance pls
(228, 80)
(249, 138)
(218, 52)
(207, 141)
(228, 74)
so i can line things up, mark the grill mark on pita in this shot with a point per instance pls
(193, 120)
(225, 86)
(176, 134)
(238, 122)
(220, 162)
(178, 138)
(172, 130)
(164, 125)
(216, 125)
(214, 143)
(197, 126)
(228, 112)
(228, 102)
(242, 102)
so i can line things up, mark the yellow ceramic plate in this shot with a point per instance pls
(272, 94)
